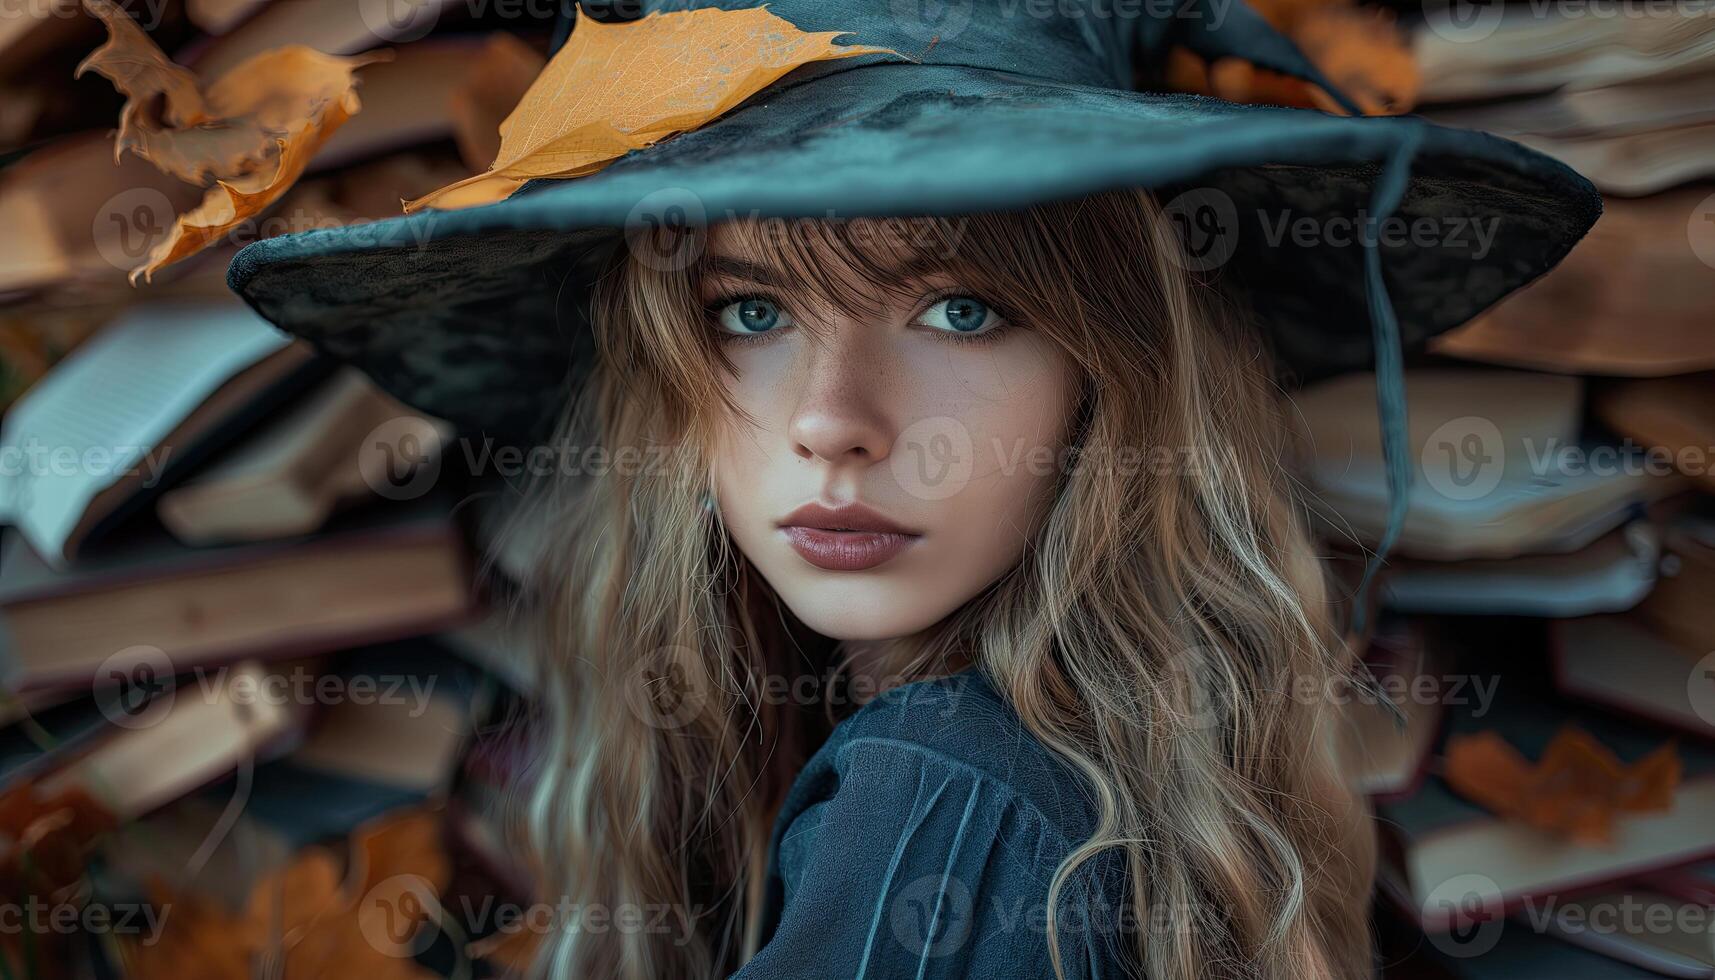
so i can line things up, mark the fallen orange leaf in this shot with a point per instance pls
(289, 902)
(1576, 790)
(251, 133)
(405, 842)
(614, 88)
(46, 838)
(361, 925)
(229, 204)
(230, 129)
(142, 74)
(205, 941)
(45, 842)
(320, 915)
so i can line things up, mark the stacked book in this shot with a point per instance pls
(1538, 723)
(1625, 93)
(253, 669)
(241, 613)
(1547, 592)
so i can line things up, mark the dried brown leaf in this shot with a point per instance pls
(143, 74)
(252, 132)
(1576, 790)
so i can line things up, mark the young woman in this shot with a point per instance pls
(941, 611)
(919, 452)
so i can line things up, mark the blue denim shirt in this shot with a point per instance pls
(920, 842)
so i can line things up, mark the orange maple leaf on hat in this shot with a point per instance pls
(614, 88)
(1576, 790)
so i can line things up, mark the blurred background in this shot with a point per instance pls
(261, 688)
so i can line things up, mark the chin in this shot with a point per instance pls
(844, 609)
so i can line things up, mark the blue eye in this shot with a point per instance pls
(752, 316)
(960, 314)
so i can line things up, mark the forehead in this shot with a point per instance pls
(812, 248)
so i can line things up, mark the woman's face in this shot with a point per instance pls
(894, 464)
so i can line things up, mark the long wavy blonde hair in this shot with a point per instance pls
(1153, 636)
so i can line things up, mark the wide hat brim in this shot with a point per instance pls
(477, 315)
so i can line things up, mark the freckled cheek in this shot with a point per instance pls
(1024, 364)
(757, 373)
(1015, 401)
(758, 388)
(752, 458)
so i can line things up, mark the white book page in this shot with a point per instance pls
(102, 412)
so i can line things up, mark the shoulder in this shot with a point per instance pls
(922, 840)
(961, 728)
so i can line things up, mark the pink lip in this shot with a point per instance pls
(845, 539)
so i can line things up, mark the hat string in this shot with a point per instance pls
(1244, 34)
(1390, 360)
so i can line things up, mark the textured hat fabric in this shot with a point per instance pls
(1348, 234)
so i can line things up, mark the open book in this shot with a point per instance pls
(1517, 49)
(131, 410)
(1498, 466)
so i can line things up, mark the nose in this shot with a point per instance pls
(840, 416)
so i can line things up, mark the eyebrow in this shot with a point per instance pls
(728, 267)
(732, 267)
